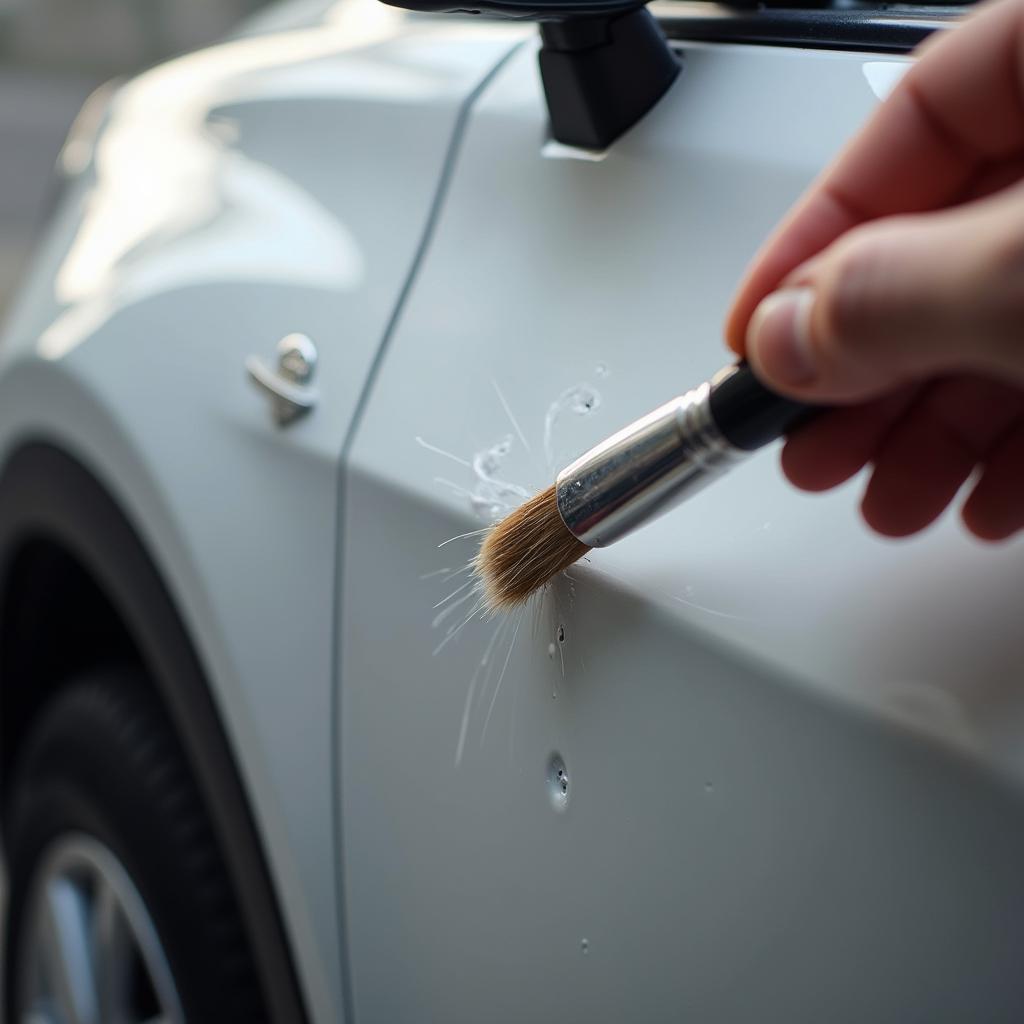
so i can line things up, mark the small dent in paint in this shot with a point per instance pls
(558, 782)
(585, 946)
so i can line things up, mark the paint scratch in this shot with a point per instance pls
(440, 451)
(511, 418)
(497, 685)
(471, 691)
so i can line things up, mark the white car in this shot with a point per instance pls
(315, 306)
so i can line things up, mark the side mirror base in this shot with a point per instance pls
(602, 74)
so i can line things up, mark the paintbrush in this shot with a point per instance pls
(631, 478)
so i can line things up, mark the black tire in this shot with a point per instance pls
(102, 760)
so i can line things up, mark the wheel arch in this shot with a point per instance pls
(77, 584)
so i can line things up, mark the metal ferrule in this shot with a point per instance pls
(644, 470)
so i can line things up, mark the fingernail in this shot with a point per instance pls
(779, 336)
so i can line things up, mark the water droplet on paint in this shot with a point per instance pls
(551, 651)
(580, 399)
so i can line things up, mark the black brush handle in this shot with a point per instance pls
(748, 414)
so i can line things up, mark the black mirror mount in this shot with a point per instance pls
(604, 63)
(602, 74)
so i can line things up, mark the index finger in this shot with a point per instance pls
(959, 109)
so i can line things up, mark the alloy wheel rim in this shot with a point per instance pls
(91, 952)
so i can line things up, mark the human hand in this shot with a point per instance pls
(895, 289)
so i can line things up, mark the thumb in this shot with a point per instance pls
(899, 300)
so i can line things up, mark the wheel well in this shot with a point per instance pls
(78, 588)
(59, 624)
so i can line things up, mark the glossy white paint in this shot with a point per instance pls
(785, 736)
(276, 183)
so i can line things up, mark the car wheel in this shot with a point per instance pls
(121, 909)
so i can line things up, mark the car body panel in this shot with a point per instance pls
(789, 742)
(272, 184)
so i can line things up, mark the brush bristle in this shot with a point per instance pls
(525, 550)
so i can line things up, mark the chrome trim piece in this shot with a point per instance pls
(289, 386)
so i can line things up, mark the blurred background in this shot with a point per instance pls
(53, 54)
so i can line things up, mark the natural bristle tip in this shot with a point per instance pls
(525, 550)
